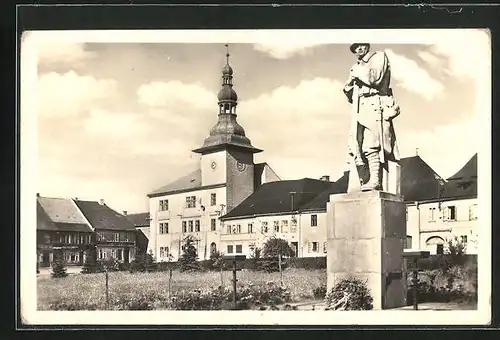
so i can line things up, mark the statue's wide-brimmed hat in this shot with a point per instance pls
(355, 45)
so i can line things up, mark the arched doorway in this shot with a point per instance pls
(213, 248)
(437, 243)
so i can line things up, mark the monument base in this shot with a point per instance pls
(366, 234)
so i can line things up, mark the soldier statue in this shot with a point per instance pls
(372, 140)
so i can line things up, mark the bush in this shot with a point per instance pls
(142, 263)
(220, 298)
(319, 292)
(349, 294)
(58, 269)
(307, 262)
(89, 268)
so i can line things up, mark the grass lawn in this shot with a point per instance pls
(91, 287)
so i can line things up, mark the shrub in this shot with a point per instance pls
(309, 263)
(142, 263)
(188, 260)
(319, 292)
(58, 268)
(89, 268)
(349, 294)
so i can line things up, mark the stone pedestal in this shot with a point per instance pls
(366, 233)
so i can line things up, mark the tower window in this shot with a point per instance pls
(213, 222)
(314, 220)
(213, 199)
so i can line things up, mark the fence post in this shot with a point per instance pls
(107, 289)
(234, 283)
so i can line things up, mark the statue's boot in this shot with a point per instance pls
(374, 168)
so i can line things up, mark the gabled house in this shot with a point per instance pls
(440, 209)
(61, 230)
(115, 236)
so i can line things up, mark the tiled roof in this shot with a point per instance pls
(276, 197)
(189, 182)
(145, 231)
(138, 220)
(44, 221)
(468, 171)
(419, 182)
(61, 210)
(100, 216)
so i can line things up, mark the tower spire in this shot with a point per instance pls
(227, 131)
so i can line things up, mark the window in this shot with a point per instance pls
(228, 229)
(239, 249)
(191, 202)
(265, 227)
(314, 220)
(309, 247)
(213, 199)
(250, 228)
(284, 226)
(408, 242)
(315, 247)
(69, 239)
(119, 255)
(324, 247)
(82, 239)
(100, 237)
(163, 205)
(197, 225)
(117, 237)
(432, 214)
(439, 249)
(238, 229)
(162, 252)
(473, 212)
(102, 254)
(190, 224)
(276, 226)
(184, 228)
(113, 253)
(163, 228)
(229, 249)
(293, 225)
(47, 238)
(126, 234)
(90, 238)
(451, 213)
(66, 238)
(463, 239)
(213, 223)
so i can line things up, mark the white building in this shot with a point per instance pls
(233, 205)
(227, 175)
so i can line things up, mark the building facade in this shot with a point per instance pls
(63, 231)
(227, 175)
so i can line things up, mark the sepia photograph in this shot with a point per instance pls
(255, 177)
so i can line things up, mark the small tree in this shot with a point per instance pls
(349, 294)
(277, 247)
(188, 260)
(59, 267)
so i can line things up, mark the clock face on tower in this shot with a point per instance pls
(213, 165)
(241, 166)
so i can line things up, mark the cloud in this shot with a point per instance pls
(284, 51)
(56, 53)
(175, 95)
(444, 147)
(464, 53)
(410, 76)
(305, 122)
(69, 94)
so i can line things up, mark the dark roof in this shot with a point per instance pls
(189, 182)
(60, 211)
(276, 197)
(100, 216)
(419, 182)
(468, 171)
(139, 220)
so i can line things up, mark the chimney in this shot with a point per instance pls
(125, 212)
(325, 178)
(101, 201)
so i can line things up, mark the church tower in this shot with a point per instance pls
(227, 155)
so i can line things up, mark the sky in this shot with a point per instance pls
(117, 120)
